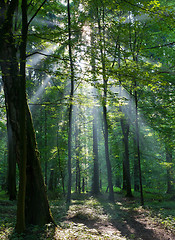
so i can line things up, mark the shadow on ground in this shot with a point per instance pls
(124, 221)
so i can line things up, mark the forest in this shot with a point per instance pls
(87, 119)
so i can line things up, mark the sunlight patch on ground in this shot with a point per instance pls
(87, 212)
(80, 231)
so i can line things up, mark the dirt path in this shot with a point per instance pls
(102, 220)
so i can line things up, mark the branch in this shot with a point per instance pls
(40, 37)
(36, 12)
(46, 55)
(2, 106)
(159, 46)
(146, 10)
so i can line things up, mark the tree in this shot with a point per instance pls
(95, 180)
(32, 199)
(104, 103)
(70, 106)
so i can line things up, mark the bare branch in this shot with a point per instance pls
(159, 46)
(36, 12)
(46, 55)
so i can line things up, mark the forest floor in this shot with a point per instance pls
(97, 218)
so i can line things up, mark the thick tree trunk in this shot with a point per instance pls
(32, 199)
(20, 221)
(11, 81)
(9, 67)
(37, 206)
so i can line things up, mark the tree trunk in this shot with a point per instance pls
(83, 185)
(70, 109)
(51, 181)
(138, 149)
(77, 155)
(105, 81)
(20, 221)
(126, 163)
(9, 66)
(60, 167)
(136, 168)
(45, 144)
(11, 174)
(170, 170)
(108, 163)
(95, 181)
(32, 199)
(37, 206)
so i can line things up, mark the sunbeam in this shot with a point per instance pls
(38, 56)
(40, 91)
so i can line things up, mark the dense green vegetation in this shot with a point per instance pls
(87, 96)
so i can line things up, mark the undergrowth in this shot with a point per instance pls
(84, 210)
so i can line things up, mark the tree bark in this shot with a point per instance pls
(126, 163)
(45, 144)
(8, 63)
(77, 155)
(95, 180)
(33, 205)
(138, 148)
(37, 206)
(60, 167)
(70, 109)
(170, 170)
(136, 168)
(20, 221)
(105, 81)
(11, 174)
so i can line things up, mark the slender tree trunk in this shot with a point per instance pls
(77, 151)
(95, 181)
(134, 45)
(70, 109)
(170, 170)
(138, 148)
(45, 143)
(95, 178)
(51, 181)
(83, 185)
(126, 163)
(60, 166)
(136, 168)
(105, 81)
